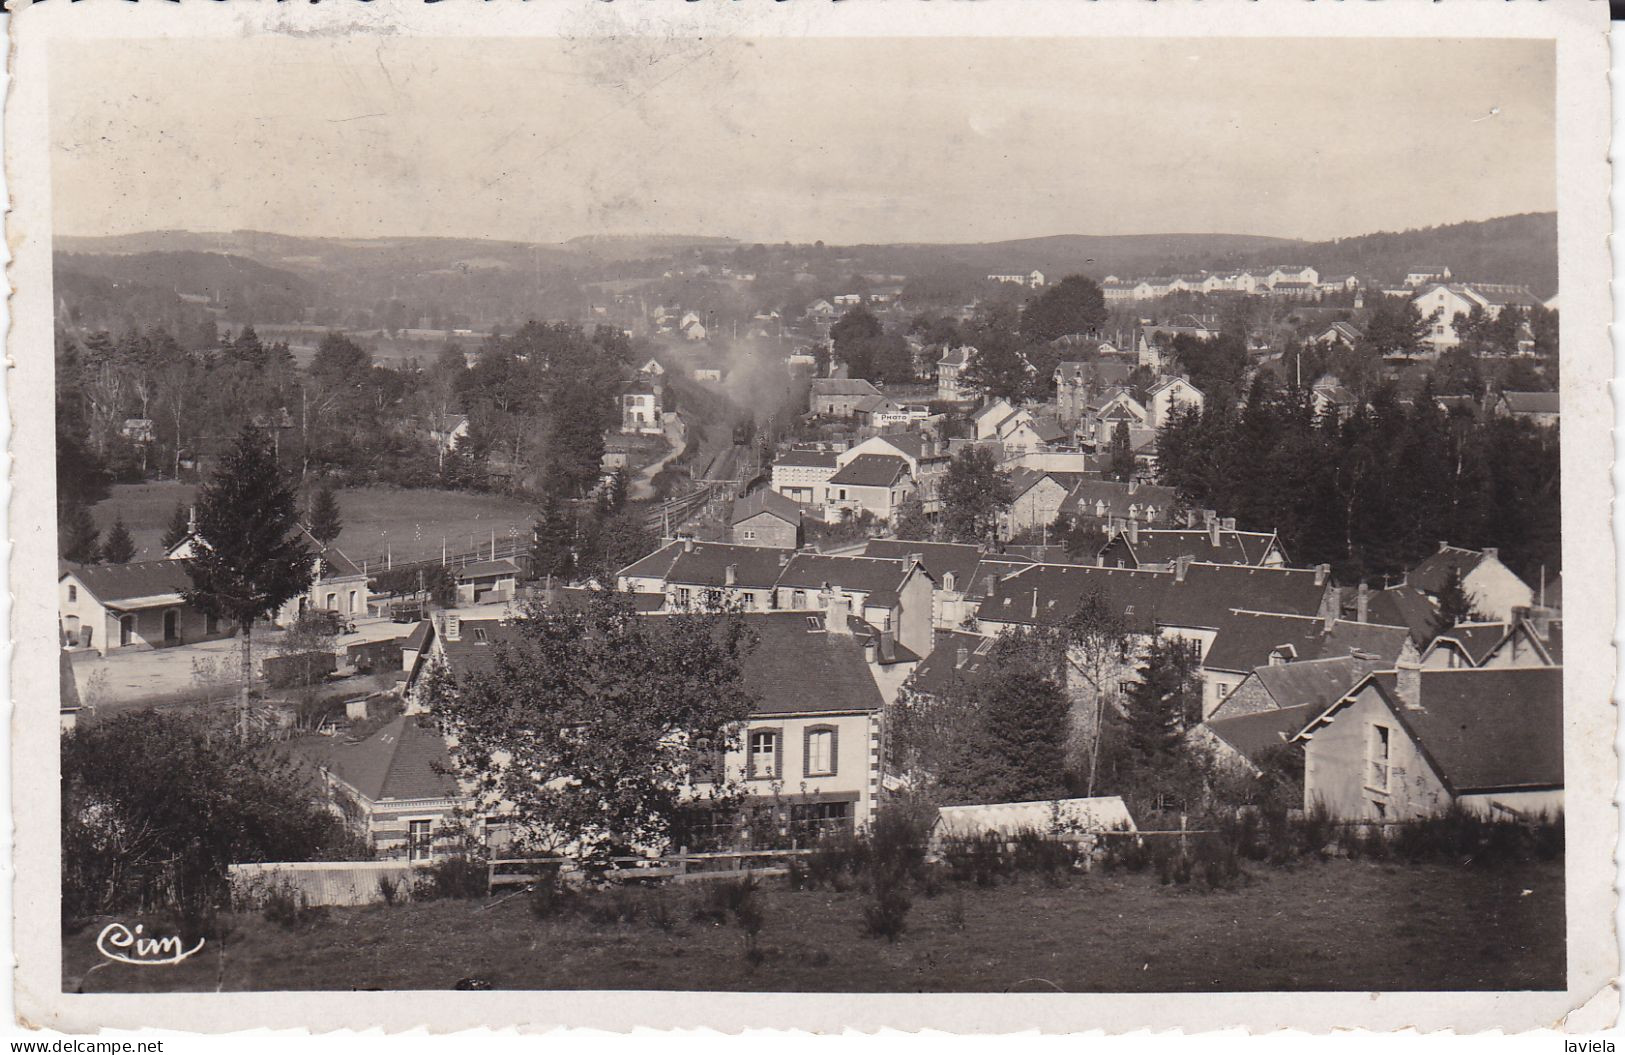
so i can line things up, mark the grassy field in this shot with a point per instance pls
(1339, 925)
(410, 523)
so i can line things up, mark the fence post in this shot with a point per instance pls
(1182, 833)
(682, 860)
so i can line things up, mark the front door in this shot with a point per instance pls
(419, 844)
(126, 630)
(171, 627)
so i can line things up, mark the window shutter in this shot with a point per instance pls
(834, 750)
(806, 751)
(778, 756)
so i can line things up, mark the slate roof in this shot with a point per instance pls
(796, 668)
(1082, 501)
(1531, 402)
(1048, 594)
(755, 567)
(1211, 591)
(1319, 682)
(1024, 479)
(766, 501)
(1253, 734)
(843, 386)
(1487, 729)
(868, 575)
(418, 637)
(1401, 606)
(1099, 374)
(483, 569)
(1163, 546)
(939, 558)
(396, 762)
(954, 356)
(1246, 639)
(1475, 640)
(1384, 642)
(809, 459)
(1433, 573)
(940, 671)
(140, 580)
(871, 470)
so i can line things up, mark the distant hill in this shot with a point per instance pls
(1101, 255)
(1517, 249)
(180, 290)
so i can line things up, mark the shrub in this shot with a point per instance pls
(389, 889)
(613, 907)
(288, 907)
(551, 897)
(723, 897)
(887, 915)
(833, 862)
(1040, 854)
(458, 876)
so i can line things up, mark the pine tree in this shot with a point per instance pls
(250, 561)
(1122, 463)
(1455, 606)
(912, 522)
(1015, 747)
(553, 541)
(78, 538)
(119, 547)
(1164, 702)
(325, 521)
(180, 526)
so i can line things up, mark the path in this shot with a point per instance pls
(643, 487)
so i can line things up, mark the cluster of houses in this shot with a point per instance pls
(1284, 280)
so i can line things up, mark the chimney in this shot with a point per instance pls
(1540, 620)
(1228, 524)
(1322, 572)
(1208, 517)
(1133, 532)
(688, 543)
(1492, 553)
(1213, 533)
(1035, 603)
(454, 627)
(835, 614)
(1133, 485)
(1331, 607)
(961, 657)
(1362, 604)
(1408, 684)
(869, 651)
(1443, 545)
(730, 575)
(784, 558)
(1182, 564)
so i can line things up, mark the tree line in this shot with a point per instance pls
(1373, 494)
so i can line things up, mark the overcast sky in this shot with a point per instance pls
(845, 141)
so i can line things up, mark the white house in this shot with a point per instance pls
(1495, 591)
(1168, 395)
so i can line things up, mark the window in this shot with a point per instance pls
(748, 534)
(765, 753)
(419, 840)
(682, 596)
(73, 592)
(332, 601)
(819, 751)
(1377, 757)
(801, 598)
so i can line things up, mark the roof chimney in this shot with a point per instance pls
(1213, 533)
(454, 627)
(1228, 524)
(1182, 564)
(1362, 604)
(688, 543)
(961, 657)
(1322, 573)
(1408, 681)
(1443, 545)
(784, 558)
(1133, 532)
(1492, 553)
(730, 575)
(835, 613)
(870, 653)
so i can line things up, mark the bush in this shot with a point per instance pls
(550, 897)
(978, 860)
(617, 906)
(389, 889)
(288, 907)
(458, 876)
(723, 898)
(1042, 855)
(887, 915)
(833, 862)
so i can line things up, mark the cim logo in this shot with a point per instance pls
(119, 943)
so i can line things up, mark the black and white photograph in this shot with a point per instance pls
(815, 514)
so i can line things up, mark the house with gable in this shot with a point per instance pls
(1217, 543)
(988, 418)
(1492, 587)
(1275, 701)
(1167, 396)
(1410, 743)
(1129, 504)
(1535, 639)
(877, 484)
(1542, 408)
(1463, 645)
(107, 607)
(801, 473)
(766, 518)
(950, 389)
(337, 583)
(1036, 499)
(698, 576)
(838, 397)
